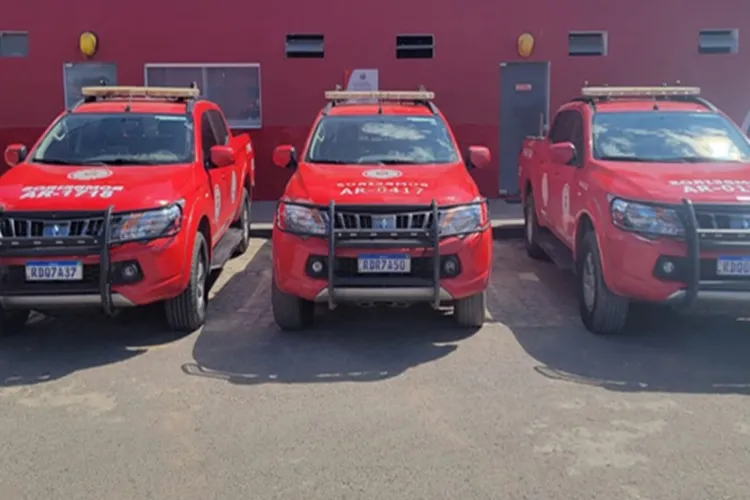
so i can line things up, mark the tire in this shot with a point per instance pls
(531, 230)
(187, 311)
(12, 321)
(290, 312)
(243, 222)
(602, 311)
(470, 311)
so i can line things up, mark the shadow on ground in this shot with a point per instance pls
(242, 345)
(705, 351)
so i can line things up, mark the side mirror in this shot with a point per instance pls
(222, 156)
(478, 157)
(563, 152)
(15, 154)
(285, 156)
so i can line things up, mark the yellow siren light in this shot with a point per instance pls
(638, 91)
(130, 92)
(382, 95)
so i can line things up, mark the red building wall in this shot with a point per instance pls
(648, 42)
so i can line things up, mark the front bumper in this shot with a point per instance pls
(682, 271)
(153, 264)
(338, 250)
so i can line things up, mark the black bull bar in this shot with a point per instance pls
(428, 237)
(84, 245)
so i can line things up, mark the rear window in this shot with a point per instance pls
(667, 136)
(379, 139)
(117, 139)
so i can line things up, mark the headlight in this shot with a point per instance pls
(148, 224)
(302, 219)
(460, 220)
(641, 218)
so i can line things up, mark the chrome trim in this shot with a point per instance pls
(711, 296)
(60, 301)
(400, 294)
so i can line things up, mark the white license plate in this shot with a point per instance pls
(54, 271)
(384, 264)
(733, 266)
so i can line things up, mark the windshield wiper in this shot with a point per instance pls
(396, 161)
(627, 158)
(332, 162)
(58, 161)
(127, 161)
(699, 159)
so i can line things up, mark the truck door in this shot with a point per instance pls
(217, 177)
(233, 183)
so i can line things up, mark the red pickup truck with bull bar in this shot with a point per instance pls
(380, 209)
(644, 192)
(130, 197)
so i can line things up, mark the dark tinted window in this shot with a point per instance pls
(668, 136)
(122, 138)
(208, 137)
(378, 139)
(220, 127)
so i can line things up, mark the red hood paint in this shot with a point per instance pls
(671, 182)
(131, 187)
(409, 184)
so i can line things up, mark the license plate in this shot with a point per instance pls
(383, 264)
(733, 266)
(54, 271)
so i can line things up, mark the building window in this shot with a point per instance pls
(304, 46)
(415, 46)
(234, 87)
(14, 44)
(587, 43)
(718, 41)
(84, 74)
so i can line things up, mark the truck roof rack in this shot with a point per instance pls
(592, 95)
(420, 97)
(122, 93)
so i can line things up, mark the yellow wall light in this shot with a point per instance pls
(525, 44)
(88, 43)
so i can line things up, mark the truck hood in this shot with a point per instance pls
(671, 182)
(53, 187)
(392, 184)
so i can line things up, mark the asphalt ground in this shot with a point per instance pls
(380, 403)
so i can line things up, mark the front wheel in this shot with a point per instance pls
(187, 311)
(470, 311)
(290, 312)
(602, 311)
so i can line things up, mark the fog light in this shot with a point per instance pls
(317, 267)
(450, 266)
(668, 267)
(130, 271)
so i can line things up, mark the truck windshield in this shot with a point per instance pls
(381, 140)
(117, 139)
(667, 136)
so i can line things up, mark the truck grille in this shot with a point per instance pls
(23, 227)
(412, 220)
(715, 219)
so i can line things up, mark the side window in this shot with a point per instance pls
(208, 138)
(560, 131)
(220, 126)
(576, 136)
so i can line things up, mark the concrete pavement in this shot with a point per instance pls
(373, 404)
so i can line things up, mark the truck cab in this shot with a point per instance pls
(644, 192)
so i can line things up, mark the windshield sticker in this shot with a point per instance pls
(713, 186)
(90, 174)
(420, 119)
(67, 191)
(382, 173)
(390, 187)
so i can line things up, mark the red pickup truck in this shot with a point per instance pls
(381, 209)
(129, 198)
(644, 192)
